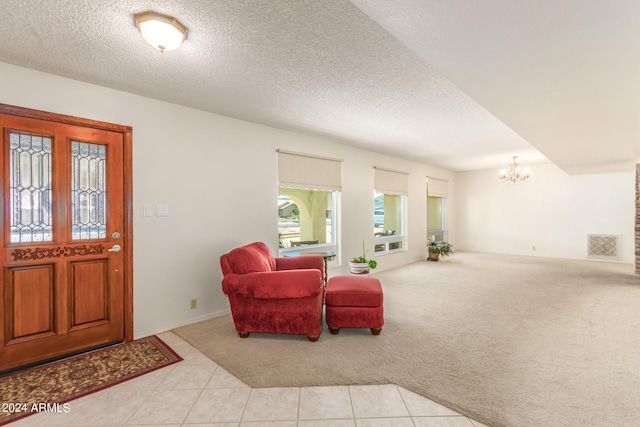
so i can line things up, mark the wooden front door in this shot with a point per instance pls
(65, 236)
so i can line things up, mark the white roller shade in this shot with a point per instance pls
(437, 187)
(303, 171)
(387, 181)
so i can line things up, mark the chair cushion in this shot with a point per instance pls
(265, 252)
(249, 259)
(353, 291)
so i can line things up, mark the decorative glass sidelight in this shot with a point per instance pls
(30, 188)
(88, 191)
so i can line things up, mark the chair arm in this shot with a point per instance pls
(274, 284)
(300, 262)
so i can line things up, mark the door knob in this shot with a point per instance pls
(115, 248)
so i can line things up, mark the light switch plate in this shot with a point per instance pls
(146, 210)
(162, 210)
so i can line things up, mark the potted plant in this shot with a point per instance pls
(438, 248)
(360, 264)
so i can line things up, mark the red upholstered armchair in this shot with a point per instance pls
(274, 295)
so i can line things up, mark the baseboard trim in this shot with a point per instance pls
(165, 328)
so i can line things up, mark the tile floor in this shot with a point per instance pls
(197, 392)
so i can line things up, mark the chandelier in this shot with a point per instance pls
(514, 172)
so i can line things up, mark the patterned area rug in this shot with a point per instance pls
(49, 387)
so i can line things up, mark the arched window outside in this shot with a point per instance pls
(306, 219)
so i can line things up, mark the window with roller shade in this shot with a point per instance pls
(391, 189)
(309, 190)
(437, 193)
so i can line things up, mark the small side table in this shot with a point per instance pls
(326, 255)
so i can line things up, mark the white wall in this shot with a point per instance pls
(553, 211)
(218, 177)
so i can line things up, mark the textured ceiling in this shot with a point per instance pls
(565, 75)
(371, 73)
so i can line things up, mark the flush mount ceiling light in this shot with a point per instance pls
(514, 172)
(163, 32)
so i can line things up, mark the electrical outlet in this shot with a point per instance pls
(194, 303)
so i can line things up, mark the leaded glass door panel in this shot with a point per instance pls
(62, 252)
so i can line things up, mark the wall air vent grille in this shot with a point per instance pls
(603, 246)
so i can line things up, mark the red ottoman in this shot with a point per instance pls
(354, 302)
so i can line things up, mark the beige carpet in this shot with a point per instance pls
(506, 340)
